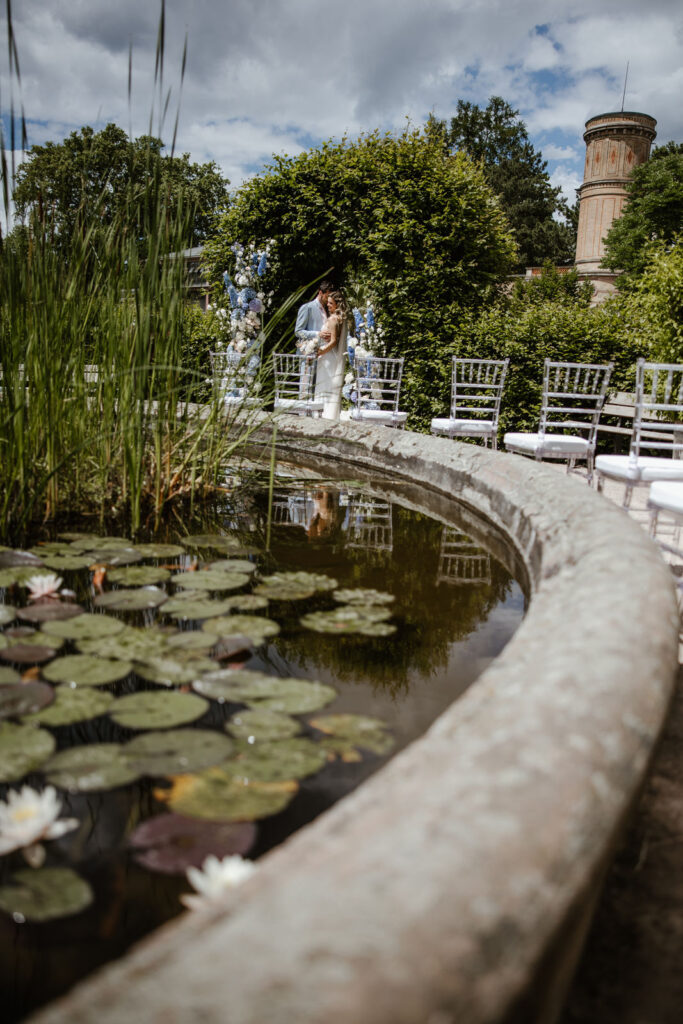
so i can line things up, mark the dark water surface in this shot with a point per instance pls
(456, 606)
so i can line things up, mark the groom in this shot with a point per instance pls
(312, 316)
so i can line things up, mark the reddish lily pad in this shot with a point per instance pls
(27, 654)
(24, 699)
(172, 843)
(13, 559)
(50, 611)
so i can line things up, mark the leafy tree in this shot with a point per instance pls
(498, 139)
(658, 293)
(654, 213)
(96, 178)
(420, 230)
(553, 285)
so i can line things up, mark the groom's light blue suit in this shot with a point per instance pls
(309, 321)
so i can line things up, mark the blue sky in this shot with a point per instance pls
(268, 76)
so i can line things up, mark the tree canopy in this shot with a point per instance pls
(653, 213)
(497, 138)
(104, 178)
(420, 231)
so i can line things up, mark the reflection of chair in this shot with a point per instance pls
(573, 397)
(667, 496)
(657, 427)
(369, 523)
(462, 561)
(295, 384)
(291, 509)
(234, 377)
(476, 391)
(378, 386)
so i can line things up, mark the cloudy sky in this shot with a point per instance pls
(266, 76)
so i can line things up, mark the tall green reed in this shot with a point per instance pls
(98, 412)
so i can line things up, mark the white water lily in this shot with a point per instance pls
(44, 586)
(27, 817)
(214, 879)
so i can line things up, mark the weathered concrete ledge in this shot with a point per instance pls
(456, 884)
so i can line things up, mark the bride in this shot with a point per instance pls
(332, 357)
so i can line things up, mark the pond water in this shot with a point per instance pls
(171, 732)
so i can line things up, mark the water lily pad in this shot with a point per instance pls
(45, 895)
(283, 591)
(132, 644)
(256, 627)
(24, 699)
(363, 596)
(74, 705)
(160, 550)
(156, 710)
(170, 671)
(191, 640)
(65, 563)
(86, 670)
(229, 646)
(91, 543)
(4, 642)
(7, 614)
(50, 611)
(345, 619)
(188, 606)
(113, 557)
(77, 535)
(305, 580)
(210, 579)
(233, 565)
(8, 676)
(347, 733)
(172, 843)
(91, 767)
(248, 602)
(377, 629)
(212, 540)
(217, 795)
(275, 761)
(10, 559)
(131, 600)
(23, 748)
(256, 724)
(139, 575)
(50, 547)
(178, 751)
(85, 627)
(27, 654)
(291, 696)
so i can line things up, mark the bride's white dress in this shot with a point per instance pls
(330, 377)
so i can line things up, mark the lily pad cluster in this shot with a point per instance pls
(226, 746)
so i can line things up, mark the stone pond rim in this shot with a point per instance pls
(457, 883)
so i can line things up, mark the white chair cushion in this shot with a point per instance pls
(667, 495)
(379, 416)
(550, 444)
(645, 470)
(469, 428)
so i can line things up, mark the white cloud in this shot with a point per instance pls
(265, 75)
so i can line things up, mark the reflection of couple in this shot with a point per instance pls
(321, 330)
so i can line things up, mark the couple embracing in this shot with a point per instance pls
(321, 331)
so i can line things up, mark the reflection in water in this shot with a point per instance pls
(461, 561)
(369, 523)
(445, 636)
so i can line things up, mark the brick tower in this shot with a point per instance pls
(615, 144)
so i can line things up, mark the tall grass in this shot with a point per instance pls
(129, 437)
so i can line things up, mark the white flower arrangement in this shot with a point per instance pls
(214, 879)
